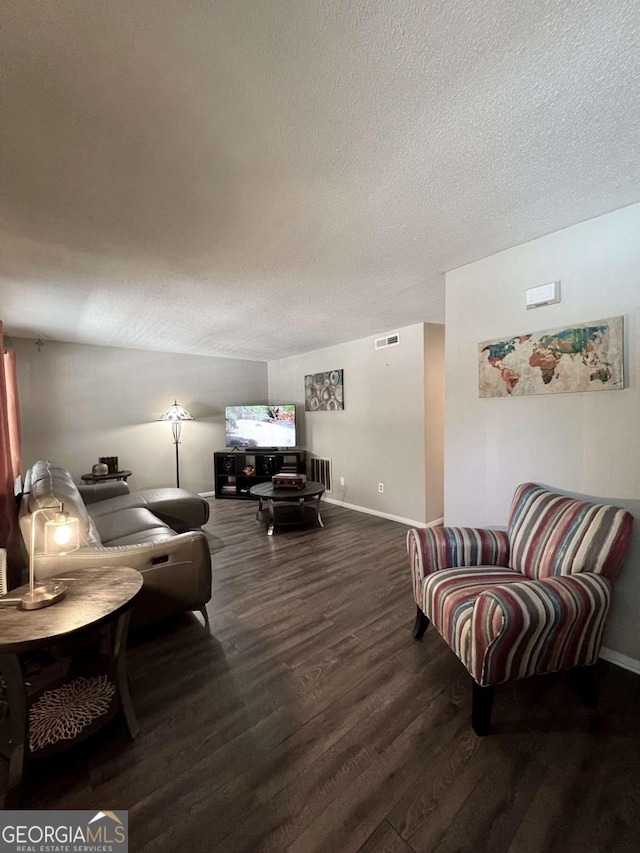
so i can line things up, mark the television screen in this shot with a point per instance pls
(260, 426)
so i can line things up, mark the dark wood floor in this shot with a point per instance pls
(310, 720)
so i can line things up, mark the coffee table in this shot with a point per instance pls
(288, 506)
(98, 600)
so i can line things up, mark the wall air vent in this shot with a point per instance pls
(389, 341)
(321, 472)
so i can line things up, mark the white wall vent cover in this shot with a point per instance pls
(389, 341)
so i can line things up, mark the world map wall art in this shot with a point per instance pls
(584, 357)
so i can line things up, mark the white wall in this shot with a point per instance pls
(80, 402)
(380, 435)
(434, 335)
(588, 442)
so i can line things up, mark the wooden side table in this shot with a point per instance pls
(98, 601)
(98, 478)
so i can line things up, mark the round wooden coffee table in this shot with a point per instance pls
(288, 506)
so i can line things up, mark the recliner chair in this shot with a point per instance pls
(527, 601)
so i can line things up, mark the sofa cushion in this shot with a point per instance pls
(144, 537)
(120, 502)
(92, 493)
(116, 525)
(181, 509)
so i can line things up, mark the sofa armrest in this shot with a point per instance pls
(538, 626)
(183, 546)
(93, 492)
(433, 548)
(176, 572)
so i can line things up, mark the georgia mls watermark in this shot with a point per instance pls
(50, 831)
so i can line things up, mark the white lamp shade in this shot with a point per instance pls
(176, 413)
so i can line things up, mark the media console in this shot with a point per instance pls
(235, 471)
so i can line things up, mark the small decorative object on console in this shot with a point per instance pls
(111, 462)
(100, 469)
(285, 480)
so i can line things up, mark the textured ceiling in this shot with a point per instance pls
(259, 178)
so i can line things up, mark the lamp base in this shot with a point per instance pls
(43, 595)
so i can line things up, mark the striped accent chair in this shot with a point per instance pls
(527, 601)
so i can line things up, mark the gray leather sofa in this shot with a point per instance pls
(157, 531)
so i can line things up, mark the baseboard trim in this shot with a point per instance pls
(207, 494)
(619, 659)
(410, 522)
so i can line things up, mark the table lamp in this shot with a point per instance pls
(61, 536)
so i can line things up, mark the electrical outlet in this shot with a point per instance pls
(381, 487)
(342, 481)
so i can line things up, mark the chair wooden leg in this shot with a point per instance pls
(481, 706)
(421, 624)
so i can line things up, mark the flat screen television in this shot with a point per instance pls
(260, 426)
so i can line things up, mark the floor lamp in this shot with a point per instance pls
(175, 415)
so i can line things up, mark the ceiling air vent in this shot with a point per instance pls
(389, 341)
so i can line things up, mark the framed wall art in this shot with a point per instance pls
(581, 357)
(324, 392)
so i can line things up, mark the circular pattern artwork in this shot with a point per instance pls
(323, 392)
